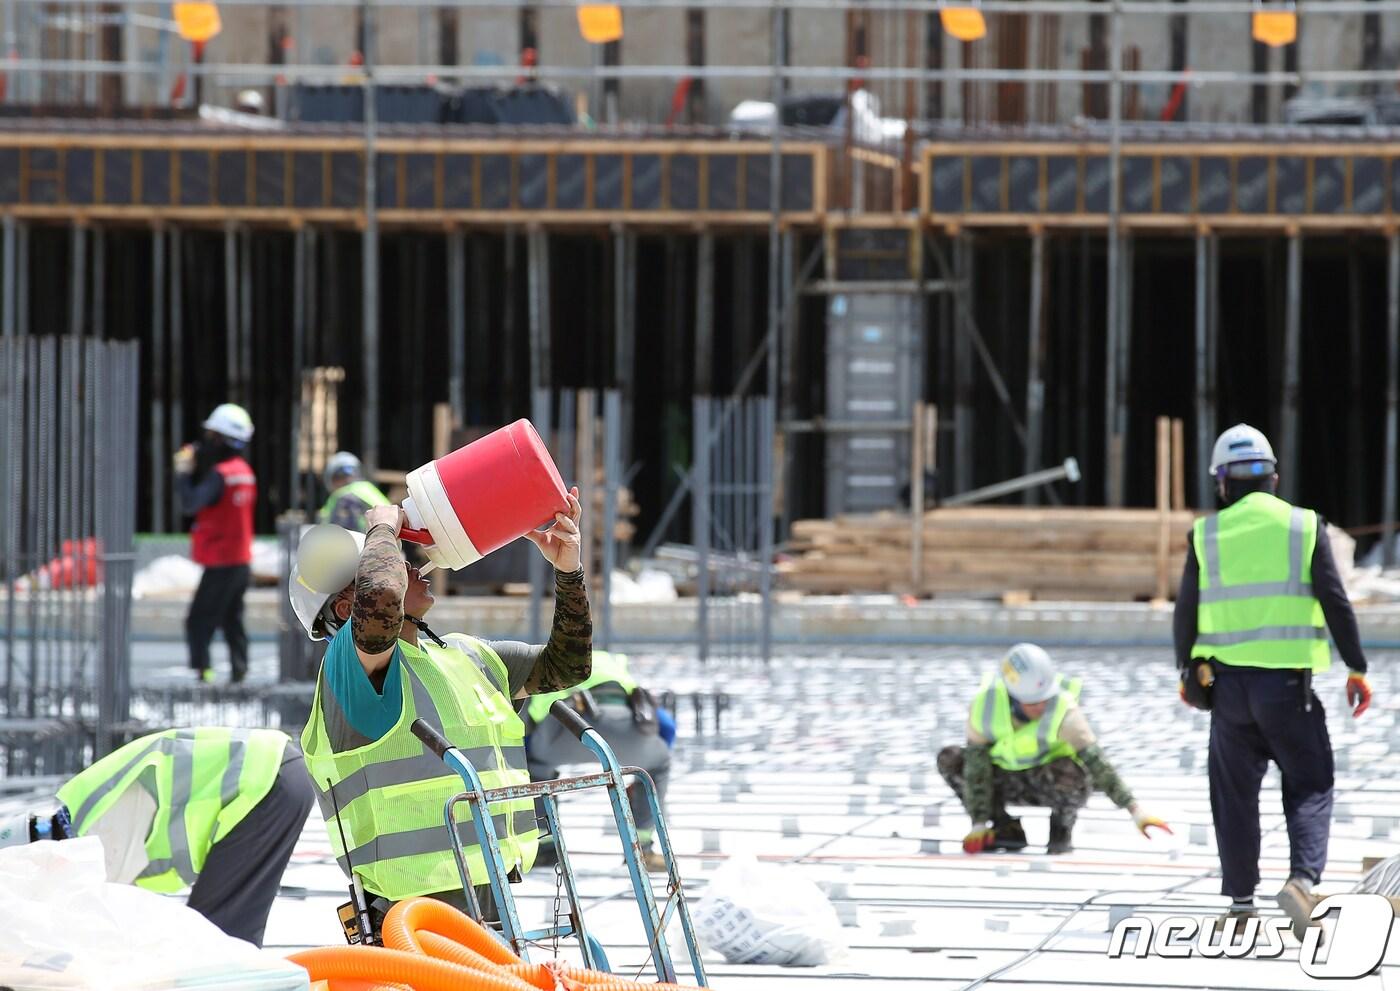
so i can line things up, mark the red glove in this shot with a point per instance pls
(1358, 694)
(978, 840)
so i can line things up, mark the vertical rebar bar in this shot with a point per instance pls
(705, 314)
(1035, 381)
(1292, 339)
(964, 474)
(1392, 396)
(537, 251)
(99, 284)
(540, 416)
(245, 317)
(158, 452)
(77, 279)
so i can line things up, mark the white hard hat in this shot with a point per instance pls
(1029, 674)
(342, 463)
(231, 421)
(326, 559)
(250, 101)
(1242, 452)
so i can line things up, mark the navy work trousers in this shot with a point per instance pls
(1257, 717)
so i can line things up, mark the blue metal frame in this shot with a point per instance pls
(654, 923)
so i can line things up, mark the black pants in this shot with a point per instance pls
(243, 872)
(218, 605)
(1258, 716)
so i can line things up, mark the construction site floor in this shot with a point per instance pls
(825, 762)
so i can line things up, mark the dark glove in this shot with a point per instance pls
(1196, 681)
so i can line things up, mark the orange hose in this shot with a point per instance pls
(374, 963)
(407, 918)
(430, 946)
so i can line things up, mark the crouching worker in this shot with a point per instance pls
(1028, 743)
(377, 785)
(627, 717)
(218, 811)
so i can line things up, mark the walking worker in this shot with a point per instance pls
(374, 780)
(215, 810)
(351, 494)
(217, 487)
(1028, 743)
(627, 717)
(1259, 593)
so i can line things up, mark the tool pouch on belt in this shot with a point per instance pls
(643, 708)
(1197, 679)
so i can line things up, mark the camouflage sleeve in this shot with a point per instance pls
(568, 657)
(1105, 778)
(380, 585)
(977, 783)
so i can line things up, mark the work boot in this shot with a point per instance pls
(652, 861)
(1297, 901)
(1008, 835)
(1059, 838)
(1241, 917)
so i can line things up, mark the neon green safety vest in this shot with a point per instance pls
(391, 792)
(362, 490)
(607, 669)
(1032, 744)
(1257, 607)
(204, 781)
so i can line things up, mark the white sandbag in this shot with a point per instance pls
(65, 927)
(762, 913)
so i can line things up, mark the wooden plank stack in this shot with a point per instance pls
(1096, 554)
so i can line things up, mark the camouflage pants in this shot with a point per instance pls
(1062, 786)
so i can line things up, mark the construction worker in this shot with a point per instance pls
(351, 494)
(217, 487)
(1258, 586)
(215, 810)
(627, 717)
(1028, 743)
(373, 778)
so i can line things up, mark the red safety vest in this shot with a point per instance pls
(223, 532)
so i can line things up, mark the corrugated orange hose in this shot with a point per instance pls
(430, 946)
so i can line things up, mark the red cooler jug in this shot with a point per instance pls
(481, 497)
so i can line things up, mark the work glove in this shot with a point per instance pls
(1358, 693)
(183, 460)
(1144, 821)
(979, 839)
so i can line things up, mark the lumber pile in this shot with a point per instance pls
(1002, 551)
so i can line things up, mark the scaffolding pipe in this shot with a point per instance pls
(457, 323)
(177, 359)
(11, 239)
(1204, 357)
(158, 452)
(245, 315)
(962, 364)
(1392, 396)
(231, 307)
(1113, 455)
(537, 278)
(99, 284)
(1035, 382)
(705, 314)
(1292, 334)
(77, 279)
(369, 440)
(299, 250)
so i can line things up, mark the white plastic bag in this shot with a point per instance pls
(762, 913)
(63, 926)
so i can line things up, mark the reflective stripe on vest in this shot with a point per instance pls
(1257, 606)
(991, 717)
(183, 769)
(389, 794)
